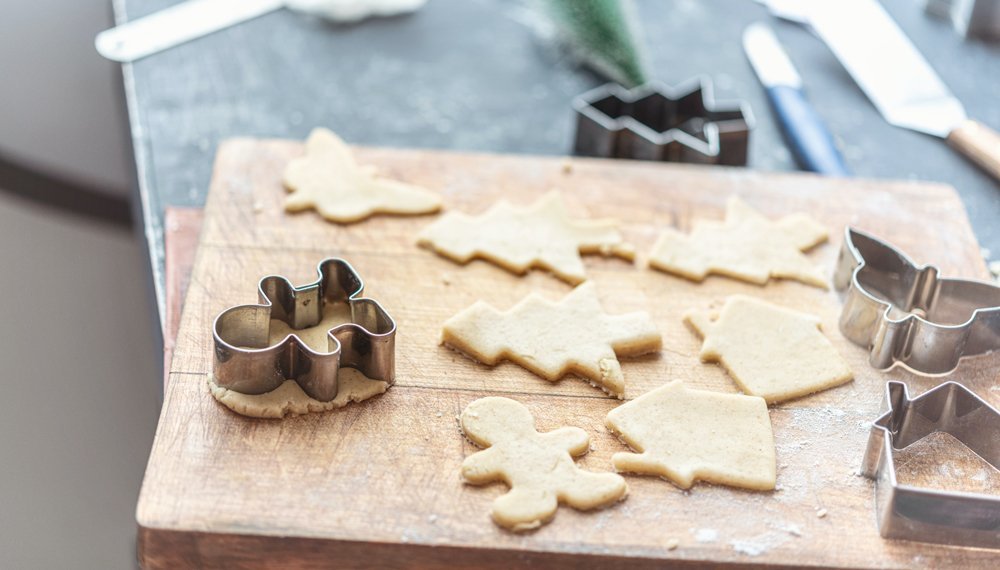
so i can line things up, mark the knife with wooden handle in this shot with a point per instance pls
(978, 142)
(898, 80)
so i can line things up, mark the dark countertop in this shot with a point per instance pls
(474, 75)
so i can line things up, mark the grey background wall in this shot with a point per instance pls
(80, 388)
(61, 104)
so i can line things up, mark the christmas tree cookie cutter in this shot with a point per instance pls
(657, 122)
(905, 314)
(930, 515)
(245, 360)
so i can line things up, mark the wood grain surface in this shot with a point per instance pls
(182, 226)
(376, 484)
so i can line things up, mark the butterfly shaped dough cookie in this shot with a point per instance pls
(329, 180)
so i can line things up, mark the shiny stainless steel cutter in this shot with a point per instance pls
(246, 362)
(906, 314)
(931, 515)
(657, 122)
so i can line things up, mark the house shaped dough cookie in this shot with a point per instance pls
(770, 351)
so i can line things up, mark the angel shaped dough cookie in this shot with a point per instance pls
(538, 467)
(328, 179)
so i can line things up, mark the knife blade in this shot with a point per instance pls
(898, 80)
(177, 24)
(810, 141)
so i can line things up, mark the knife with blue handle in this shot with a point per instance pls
(811, 143)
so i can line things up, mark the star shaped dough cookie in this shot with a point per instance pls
(747, 246)
(328, 180)
(552, 339)
(538, 467)
(689, 435)
(517, 239)
(770, 351)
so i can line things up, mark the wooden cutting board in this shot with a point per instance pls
(376, 484)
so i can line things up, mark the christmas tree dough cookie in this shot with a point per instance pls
(687, 435)
(746, 246)
(328, 180)
(517, 239)
(770, 351)
(538, 467)
(551, 339)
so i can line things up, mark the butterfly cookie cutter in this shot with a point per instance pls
(906, 314)
(657, 122)
(245, 360)
(930, 515)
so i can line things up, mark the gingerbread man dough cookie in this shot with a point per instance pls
(538, 467)
(329, 180)
(517, 239)
(747, 246)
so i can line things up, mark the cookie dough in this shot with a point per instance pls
(770, 351)
(517, 239)
(552, 339)
(289, 399)
(686, 435)
(328, 180)
(538, 467)
(315, 337)
(746, 246)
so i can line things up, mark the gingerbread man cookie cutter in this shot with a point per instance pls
(245, 360)
(931, 515)
(906, 314)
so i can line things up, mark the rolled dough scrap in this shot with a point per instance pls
(288, 399)
(746, 246)
(538, 467)
(329, 180)
(315, 337)
(517, 239)
(770, 351)
(687, 435)
(552, 339)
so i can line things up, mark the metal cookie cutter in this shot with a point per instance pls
(246, 362)
(906, 314)
(971, 18)
(656, 122)
(915, 513)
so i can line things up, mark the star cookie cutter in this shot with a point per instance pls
(657, 122)
(929, 515)
(905, 314)
(246, 362)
